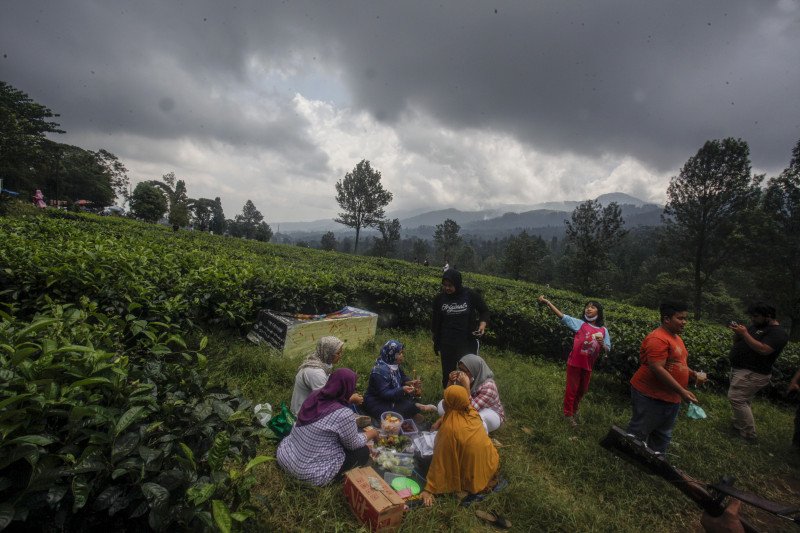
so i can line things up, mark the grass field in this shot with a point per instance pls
(560, 478)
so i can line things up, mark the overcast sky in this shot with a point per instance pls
(457, 103)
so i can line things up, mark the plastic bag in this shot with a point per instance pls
(281, 424)
(695, 412)
(263, 413)
(424, 443)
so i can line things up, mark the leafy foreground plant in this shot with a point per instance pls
(95, 435)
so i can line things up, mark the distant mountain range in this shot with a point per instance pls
(502, 220)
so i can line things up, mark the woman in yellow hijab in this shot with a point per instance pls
(464, 458)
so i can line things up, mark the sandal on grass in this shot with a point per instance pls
(469, 499)
(501, 484)
(493, 518)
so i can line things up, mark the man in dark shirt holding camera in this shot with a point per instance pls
(755, 349)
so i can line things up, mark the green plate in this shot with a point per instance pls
(400, 483)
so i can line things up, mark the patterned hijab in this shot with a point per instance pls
(322, 356)
(334, 395)
(389, 352)
(478, 368)
(464, 458)
(388, 358)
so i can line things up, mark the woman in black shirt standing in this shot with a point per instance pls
(453, 324)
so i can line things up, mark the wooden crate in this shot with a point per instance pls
(297, 335)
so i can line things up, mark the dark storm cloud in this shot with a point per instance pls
(149, 70)
(652, 80)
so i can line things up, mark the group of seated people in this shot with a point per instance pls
(326, 442)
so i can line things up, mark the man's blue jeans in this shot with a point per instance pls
(652, 420)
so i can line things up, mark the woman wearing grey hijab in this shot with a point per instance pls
(314, 371)
(475, 375)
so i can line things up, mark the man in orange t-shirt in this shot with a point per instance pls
(661, 382)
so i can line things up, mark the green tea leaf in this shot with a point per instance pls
(36, 326)
(80, 493)
(124, 445)
(149, 454)
(201, 492)
(15, 399)
(107, 497)
(177, 339)
(95, 462)
(257, 461)
(75, 348)
(158, 498)
(128, 418)
(8, 429)
(155, 493)
(218, 451)
(221, 515)
(223, 410)
(38, 440)
(21, 354)
(189, 455)
(90, 381)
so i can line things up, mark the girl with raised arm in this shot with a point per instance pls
(590, 340)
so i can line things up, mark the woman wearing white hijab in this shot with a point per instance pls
(475, 375)
(314, 371)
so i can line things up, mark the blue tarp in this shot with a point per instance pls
(10, 193)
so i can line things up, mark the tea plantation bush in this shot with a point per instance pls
(192, 277)
(107, 422)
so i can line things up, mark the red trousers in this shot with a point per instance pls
(577, 386)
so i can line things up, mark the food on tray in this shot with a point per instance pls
(396, 442)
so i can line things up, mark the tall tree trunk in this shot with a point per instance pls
(698, 278)
(698, 292)
(355, 248)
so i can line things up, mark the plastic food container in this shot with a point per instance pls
(397, 463)
(390, 422)
(409, 428)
